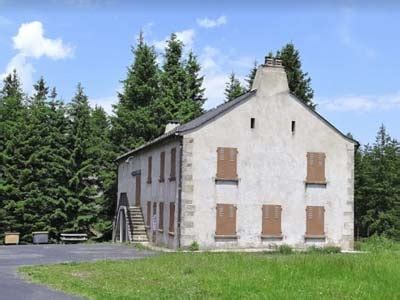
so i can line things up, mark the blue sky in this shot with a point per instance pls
(349, 50)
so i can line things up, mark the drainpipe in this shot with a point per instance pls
(180, 191)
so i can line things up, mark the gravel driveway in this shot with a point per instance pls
(12, 286)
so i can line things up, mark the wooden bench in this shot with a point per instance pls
(73, 237)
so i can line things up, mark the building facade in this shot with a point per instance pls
(256, 172)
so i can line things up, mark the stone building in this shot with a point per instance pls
(258, 171)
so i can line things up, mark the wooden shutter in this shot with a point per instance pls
(226, 219)
(148, 221)
(316, 167)
(173, 164)
(161, 216)
(149, 167)
(271, 220)
(227, 163)
(171, 217)
(315, 221)
(137, 190)
(162, 165)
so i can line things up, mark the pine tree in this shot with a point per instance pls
(377, 184)
(233, 88)
(194, 82)
(103, 154)
(80, 208)
(299, 82)
(134, 120)
(251, 76)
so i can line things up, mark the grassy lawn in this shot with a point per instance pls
(230, 276)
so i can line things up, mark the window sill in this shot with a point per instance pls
(226, 180)
(161, 180)
(271, 237)
(147, 226)
(316, 183)
(148, 181)
(314, 237)
(171, 233)
(226, 237)
(160, 230)
(172, 178)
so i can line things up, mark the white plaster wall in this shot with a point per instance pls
(166, 191)
(272, 166)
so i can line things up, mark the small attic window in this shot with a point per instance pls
(252, 122)
(293, 127)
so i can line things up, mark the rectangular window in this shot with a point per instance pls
(227, 163)
(252, 123)
(172, 175)
(171, 228)
(271, 220)
(161, 216)
(162, 166)
(226, 220)
(293, 127)
(316, 167)
(315, 221)
(148, 221)
(149, 167)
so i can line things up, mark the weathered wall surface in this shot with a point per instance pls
(272, 167)
(155, 191)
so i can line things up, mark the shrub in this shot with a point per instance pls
(378, 243)
(194, 246)
(324, 250)
(285, 249)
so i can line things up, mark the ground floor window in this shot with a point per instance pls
(226, 220)
(315, 221)
(171, 228)
(161, 216)
(271, 220)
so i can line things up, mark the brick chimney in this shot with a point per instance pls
(271, 77)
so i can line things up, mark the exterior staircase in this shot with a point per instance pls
(137, 228)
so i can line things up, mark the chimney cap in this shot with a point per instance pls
(273, 62)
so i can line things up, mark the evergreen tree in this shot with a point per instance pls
(233, 88)
(81, 209)
(377, 184)
(194, 82)
(104, 169)
(251, 76)
(299, 82)
(134, 120)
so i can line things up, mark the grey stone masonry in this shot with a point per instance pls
(188, 209)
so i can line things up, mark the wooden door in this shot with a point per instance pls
(138, 189)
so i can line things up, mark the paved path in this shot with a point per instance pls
(12, 257)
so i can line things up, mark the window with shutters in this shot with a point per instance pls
(149, 167)
(271, 221)
(316, 168)
(162, 166)
(226, 221)
(171, 228)
(227, 164)
(148, 220)
(315, 220)
(172, 175)
(161, 216)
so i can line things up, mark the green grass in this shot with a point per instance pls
(230, 276)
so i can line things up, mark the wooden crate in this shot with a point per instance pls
(11, 238)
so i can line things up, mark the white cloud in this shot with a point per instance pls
(361, 103)
(105, 102)
(210, 23)
(31, 43)
(185, 36)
